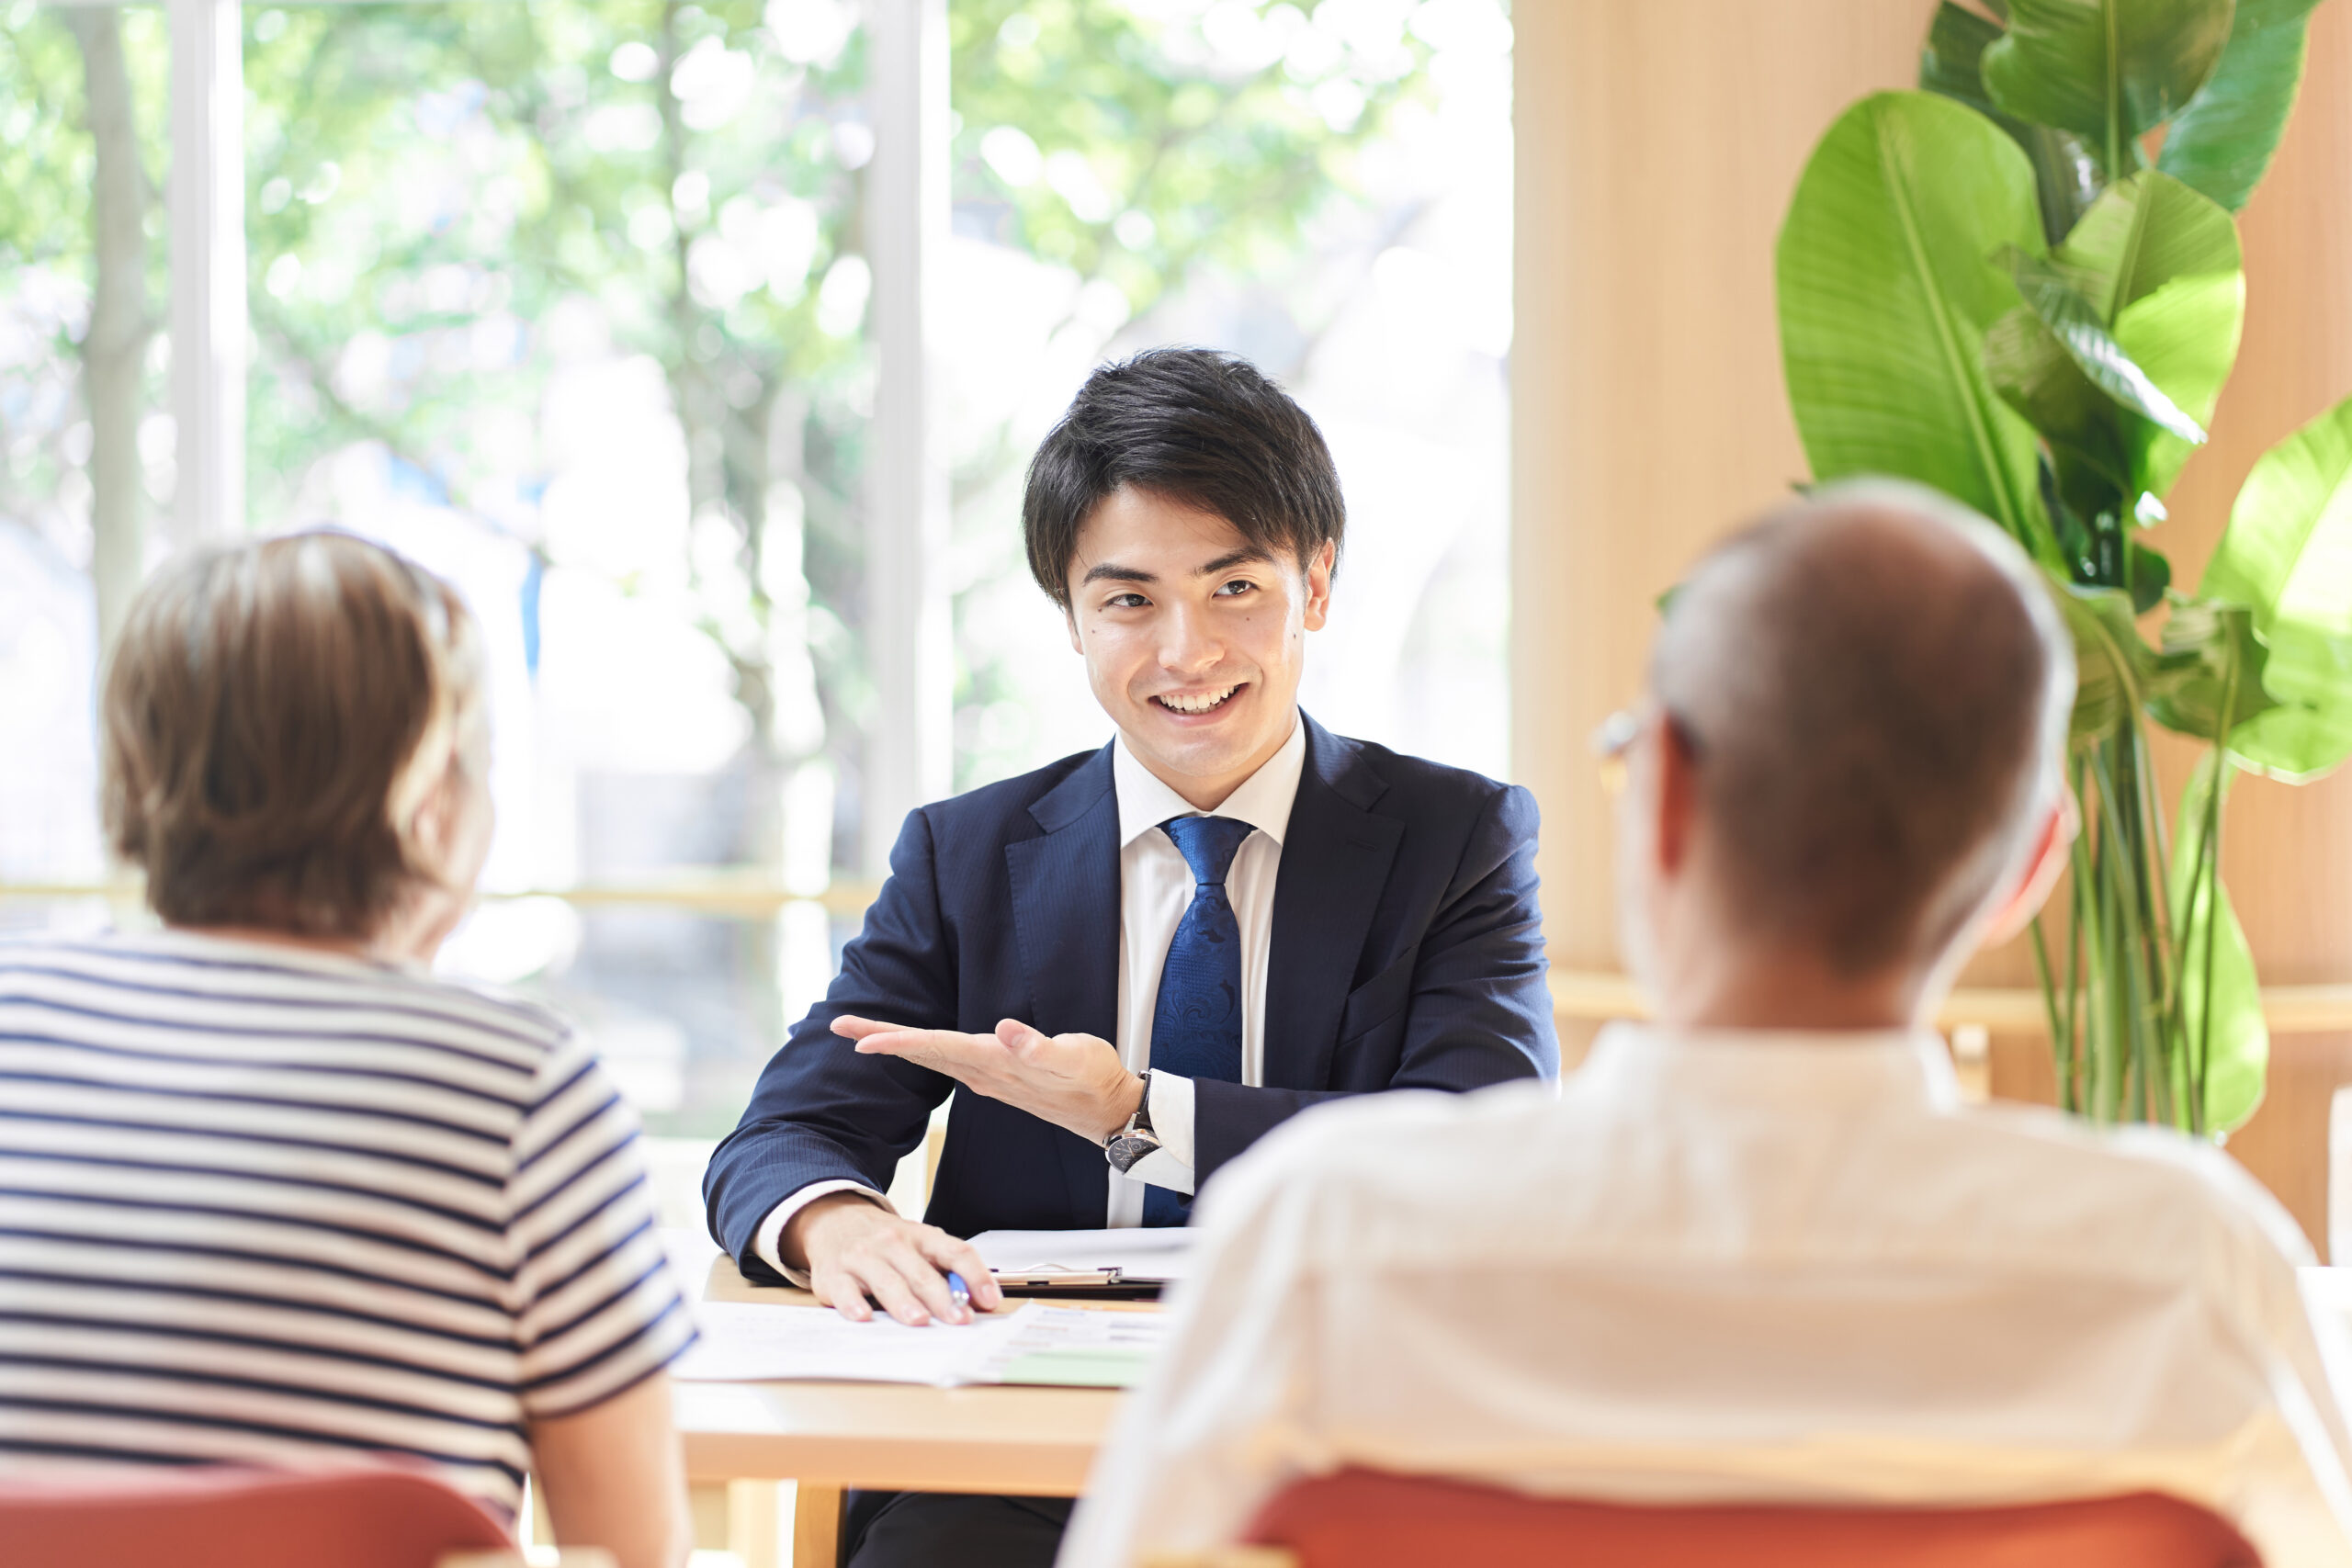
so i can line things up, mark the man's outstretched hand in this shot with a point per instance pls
(852, 1248)
(1072, 1081)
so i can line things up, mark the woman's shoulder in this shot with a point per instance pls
(193, 982)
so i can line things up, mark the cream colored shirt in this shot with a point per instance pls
(1735, 1266)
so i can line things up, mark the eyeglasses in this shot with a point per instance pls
(1616, 734)
(1613, 738)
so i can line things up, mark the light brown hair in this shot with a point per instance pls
(275, 716)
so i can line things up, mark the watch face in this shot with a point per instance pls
(1130, 1148)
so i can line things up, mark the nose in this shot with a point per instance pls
(1188, 643)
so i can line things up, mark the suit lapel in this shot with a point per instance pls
(1066, 918)
(1335, 861)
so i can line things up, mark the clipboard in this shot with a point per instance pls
(1120, 1265)
(1101, 1285)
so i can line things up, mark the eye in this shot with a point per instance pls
(1127, 601)
(1235, 589)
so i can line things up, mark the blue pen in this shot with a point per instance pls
(958, 1291)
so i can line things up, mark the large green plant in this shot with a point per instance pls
(2022, 285)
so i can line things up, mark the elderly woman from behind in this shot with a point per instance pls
(269, 1193)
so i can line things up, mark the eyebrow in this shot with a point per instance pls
(1111, 572)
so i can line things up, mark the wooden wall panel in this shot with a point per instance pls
(1658, 144)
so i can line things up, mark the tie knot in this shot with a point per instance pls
(1208, 844)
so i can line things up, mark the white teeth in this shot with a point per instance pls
(1200, 701)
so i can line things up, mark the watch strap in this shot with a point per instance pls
(1131, 1142)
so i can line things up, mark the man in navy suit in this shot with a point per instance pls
(1134, 963)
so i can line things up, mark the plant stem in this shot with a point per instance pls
(2166, 1019)
(2134, 988)
(2107, 1030)
(2070, 1086)
(2114, 22)
(2059, 1039)
(2208, 887)
(2206, 891)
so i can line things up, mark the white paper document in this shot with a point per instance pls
(1143, 1256)
(1067, 1347)
(1073, 1348)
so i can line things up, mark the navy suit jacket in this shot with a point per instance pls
(1406, 952)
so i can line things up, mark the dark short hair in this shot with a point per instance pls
(1197, 426)
(1876, 685)
(274, 714)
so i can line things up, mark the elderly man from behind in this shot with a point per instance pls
(1758, 1249)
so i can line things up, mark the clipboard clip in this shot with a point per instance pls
(1061, 1279)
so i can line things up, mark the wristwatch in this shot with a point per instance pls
(1132, 1142)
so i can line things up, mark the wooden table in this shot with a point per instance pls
(829, 1437)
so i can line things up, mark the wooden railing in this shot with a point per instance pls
(1598, 996)
(1586, 996)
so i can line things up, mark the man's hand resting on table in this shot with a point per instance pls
(852, 1248)
(1074, 1081)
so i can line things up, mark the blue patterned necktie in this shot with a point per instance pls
(1196, 1023)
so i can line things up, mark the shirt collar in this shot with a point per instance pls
(1891, 1069)
(1263, 799)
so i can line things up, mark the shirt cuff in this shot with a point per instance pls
(1170, 1100)
(768, 1240)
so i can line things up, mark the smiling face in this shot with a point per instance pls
(1194, 638)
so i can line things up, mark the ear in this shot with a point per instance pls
(1069, 620)
(1678, 794)
(1319, 568)
(2050, 851)
(433, 827)
(451, 825)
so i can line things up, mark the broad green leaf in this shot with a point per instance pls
(2053, 361)
(2222, 141)
(2222, 689)
(2142, 234)
(2162, 265)
(2115, 670)
(2287, 556)
(2185, 336)
(2216, 970)
(2081, 329)
(1885, 292)
(2064, 176)
(2034, 375)
(2294, 742)
(1957, 40)
(2106, 69)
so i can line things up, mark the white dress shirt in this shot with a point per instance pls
(1154, 889)
(1736, 1267)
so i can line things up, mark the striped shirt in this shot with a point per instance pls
(264, 1205)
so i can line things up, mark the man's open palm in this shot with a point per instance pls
(1072, 1081)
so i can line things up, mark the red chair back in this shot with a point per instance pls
(234, 1518)
(1361, 1518)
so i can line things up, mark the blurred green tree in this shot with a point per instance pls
(428, 183)
(441, 193)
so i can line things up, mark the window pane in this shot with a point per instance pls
(1326, 193)
(564, 300)
(567, 301)
(86, 469)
